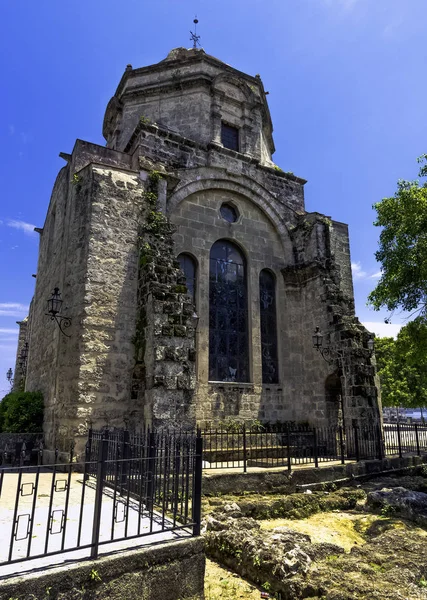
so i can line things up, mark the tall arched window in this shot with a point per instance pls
(267, 296)
(228, 314)
(188, 265)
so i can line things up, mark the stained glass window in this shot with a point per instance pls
(230, 137)
(267, 295)
(228, 314)
(188, 265)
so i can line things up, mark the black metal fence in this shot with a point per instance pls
(21, 448)
(286, 445)
(152, 489)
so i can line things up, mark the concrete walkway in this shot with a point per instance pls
(63, 533)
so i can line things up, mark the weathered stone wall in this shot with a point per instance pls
(191, 93)
(19, 374)
(179, 155)
(108, 314)
(199, 225)
(164, 375)
(53, 358)
(171, 571)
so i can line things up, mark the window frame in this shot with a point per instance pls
(224, 334)
(230, 127)
(194, 263)
(268, 319)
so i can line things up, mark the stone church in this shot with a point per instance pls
(192, 276)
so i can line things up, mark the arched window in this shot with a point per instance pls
(228, 314)
(267, 296)
(188, 265)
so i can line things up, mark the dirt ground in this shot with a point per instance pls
(223, 584)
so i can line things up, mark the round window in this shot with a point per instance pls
(229, 213)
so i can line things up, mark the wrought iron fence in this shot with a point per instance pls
(21, 448)
(107, 499)
(287, 445)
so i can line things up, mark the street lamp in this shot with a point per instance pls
(330, 354)
(54, 305)
(9, 376)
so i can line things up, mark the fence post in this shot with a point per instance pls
(39, 454)
(151, 467)
(417, 439)
(88, 452)
(288, 446)
(356, 442)
(245, 465)
(399, 441)
(125, 457)
(197, 488)
(381, 454)
(316, 453)
(100, 476)
(342, 449)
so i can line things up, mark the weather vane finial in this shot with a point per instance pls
(194, 37)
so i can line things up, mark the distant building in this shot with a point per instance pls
(193, 275)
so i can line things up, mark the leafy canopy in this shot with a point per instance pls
(21, 412)
(402, 368)
(403, 247)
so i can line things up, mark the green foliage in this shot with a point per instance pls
(154, 177)
(388, 510)
(76, 179)
(144, 120)
(21, 412)
(403, 247)
(422, 583)
(402, 366)
(94, 576)
(156, 222)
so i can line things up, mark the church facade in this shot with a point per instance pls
(191, 273)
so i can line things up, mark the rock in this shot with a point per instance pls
(406, 503)
(214, 523)
(232, 510)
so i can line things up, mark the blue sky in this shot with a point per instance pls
(347, 96)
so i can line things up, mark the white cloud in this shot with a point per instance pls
(376, 275)
(13, 309)
(358, 272)
(11, 129)
(8, 331)
(382, 329)
(27, 228)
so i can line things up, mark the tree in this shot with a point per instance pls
(402, 369)
(394, 385)
(21, 412)
(403, 248)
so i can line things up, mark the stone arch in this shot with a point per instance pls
(238, 83)
(252, 191)
(334, 400)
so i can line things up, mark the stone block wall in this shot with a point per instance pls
(191, 93)
(53, 358)
(168, 571)
(164, 375)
